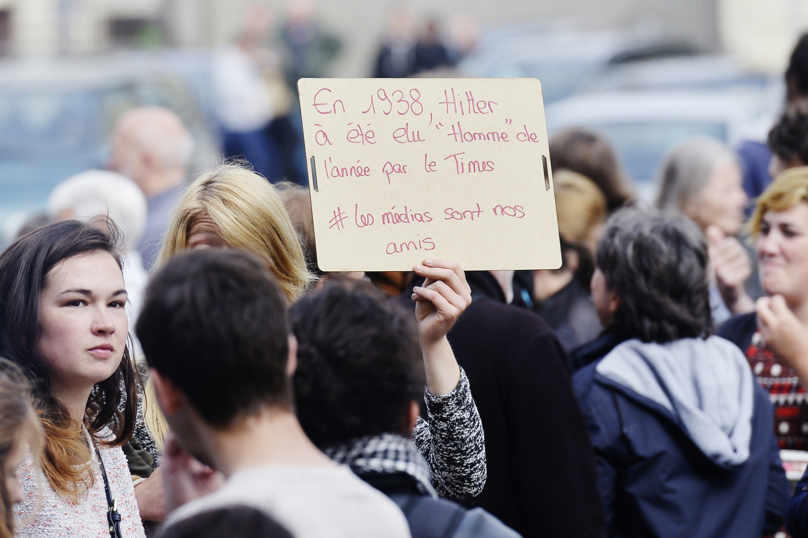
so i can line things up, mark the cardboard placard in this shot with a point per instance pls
(401, 170)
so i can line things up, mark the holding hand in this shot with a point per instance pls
(444, 295)
(184, 477)
(732, 268)
(783, 334)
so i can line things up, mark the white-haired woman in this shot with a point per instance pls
(702, 180)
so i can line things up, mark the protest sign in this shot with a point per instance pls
(401, 170)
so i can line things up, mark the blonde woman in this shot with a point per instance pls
(233, 206)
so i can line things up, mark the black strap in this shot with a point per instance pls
(113, 517)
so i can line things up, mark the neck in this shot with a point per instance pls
(272, 439)
(800, 310)
(159, 182)
(75, 401)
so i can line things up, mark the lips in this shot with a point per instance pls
(102, 351)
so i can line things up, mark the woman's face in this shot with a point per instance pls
(15, 458)
(82, 321)
(782, 249)
(721, 201)
(204, 234)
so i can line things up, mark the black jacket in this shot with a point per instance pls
(542, 479)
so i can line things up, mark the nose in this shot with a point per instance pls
(767, 244)
(103, 322)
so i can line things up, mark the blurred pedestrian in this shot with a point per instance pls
(101, 193)
(152, 147)
(590, 154)
(682, 433)
(396, 57)
(561, 296)
(430, 51)
(788, 139)
(702, 180)
(754, 156)
(308, 48)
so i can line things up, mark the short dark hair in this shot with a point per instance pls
(788, 139)
(24, 267)
(358, 364)
(797, 72)
(214, 323)
(657, 264)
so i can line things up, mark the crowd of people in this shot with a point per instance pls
(174, 363)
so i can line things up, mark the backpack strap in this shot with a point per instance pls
(428, 517)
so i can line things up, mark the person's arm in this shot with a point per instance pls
(452, 441)
(184, 477)
(440, 300)
(783, 334)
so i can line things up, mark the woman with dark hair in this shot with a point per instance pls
(682, 433)
(64, 324)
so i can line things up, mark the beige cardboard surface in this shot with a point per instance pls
(401, 170)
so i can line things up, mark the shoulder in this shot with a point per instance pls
(739, 330)
(441, 517)
(235, 521)
(291, 495)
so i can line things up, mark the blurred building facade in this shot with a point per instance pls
(757, 30)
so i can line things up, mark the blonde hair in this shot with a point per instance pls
(249, 215)
(581, 207)
(786, 191)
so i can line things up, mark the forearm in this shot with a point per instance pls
(442, 370)
(453, 442)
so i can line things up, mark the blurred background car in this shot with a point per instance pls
(56, 117)
(644, 125)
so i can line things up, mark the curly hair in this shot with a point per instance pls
(657, 264)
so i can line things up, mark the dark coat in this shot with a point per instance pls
(541, 468)
(657, 483)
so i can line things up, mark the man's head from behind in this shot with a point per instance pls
(651, 278)
(214, 329)
(359, 365)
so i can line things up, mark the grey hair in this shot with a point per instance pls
(105, 193)
(686, 169)
(657, 264)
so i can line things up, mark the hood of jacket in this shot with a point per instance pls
(705, 384)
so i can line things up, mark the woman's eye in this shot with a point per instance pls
(75, 302)
(117, 304)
